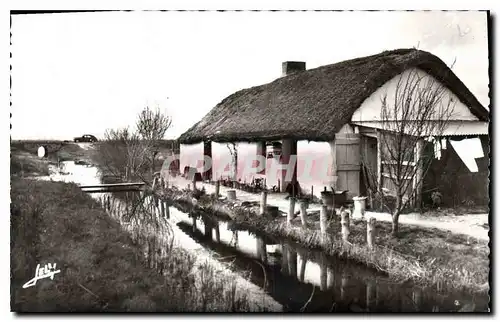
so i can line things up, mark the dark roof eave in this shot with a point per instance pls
(228, 138)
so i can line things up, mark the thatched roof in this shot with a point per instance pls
(314, 104)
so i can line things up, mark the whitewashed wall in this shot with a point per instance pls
(311, 162)
(370, 109)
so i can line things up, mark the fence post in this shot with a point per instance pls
(194, 183)
(217, 188)
(370, 232)
(217, 233)
(322, 222)
(303, 213)
(291, 210)
(345, 226)
(263, 202)
(231, 194)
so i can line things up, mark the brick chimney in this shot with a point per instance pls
(290, 67)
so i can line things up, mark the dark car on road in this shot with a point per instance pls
(86, 138)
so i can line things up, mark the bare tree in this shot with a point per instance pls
(123, 154)
(233, 150)
(151, 127)
(418, 112)
(130, 154)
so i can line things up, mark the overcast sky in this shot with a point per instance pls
(86, 72)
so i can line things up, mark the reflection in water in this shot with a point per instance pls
(331, 278)
(303, 263)
(371, 293)
(292, 261)
(284, 260)
(343, 285)
(261, 250)
(323, 274)
(292, 272)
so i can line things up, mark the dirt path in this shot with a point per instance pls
(471, 225)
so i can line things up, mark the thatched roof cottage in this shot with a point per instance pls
(334, 103)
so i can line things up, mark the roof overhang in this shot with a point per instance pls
(452, 128)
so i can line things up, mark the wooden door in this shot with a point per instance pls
(348, 162)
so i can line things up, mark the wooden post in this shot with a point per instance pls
(303, 213)
(235, 235)
(263, 202)
(323, 221)
(194, 224)
(207, 153)
(261, 249)
(194, 183)
(312, 193)
(217, 233)
(261, 151)
(208, 230)
(288, 149)
(217, 188)
(418, 178)
(379, 161)
(370, 232)
(291, 210)
(231, 194)
(345, 226)
(333, 164)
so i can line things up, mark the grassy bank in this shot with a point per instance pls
(427, 257)
(102, 267)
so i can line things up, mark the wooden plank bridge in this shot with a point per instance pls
(114, 187)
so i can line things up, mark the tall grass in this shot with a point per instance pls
(103, 267)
